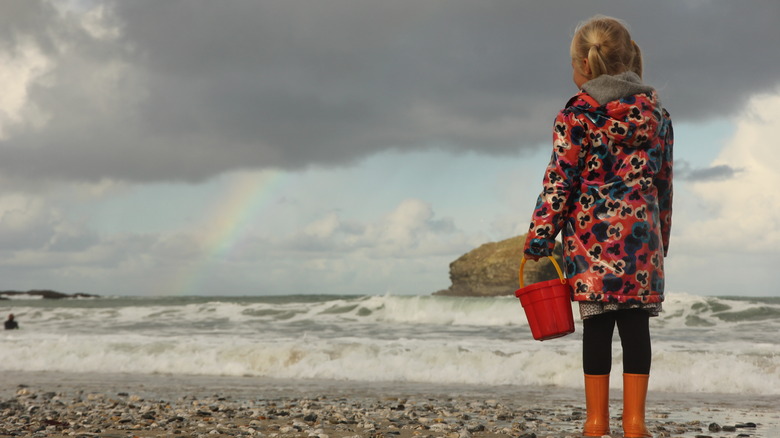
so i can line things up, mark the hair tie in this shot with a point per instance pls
(597, 46)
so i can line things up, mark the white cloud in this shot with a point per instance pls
(100, 23)
(740, 214)
(23, 65)
(411, 229)
(406, 250)
(726, 231)
(323, 228)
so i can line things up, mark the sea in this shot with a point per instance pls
(700, 344)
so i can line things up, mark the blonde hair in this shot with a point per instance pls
(607, 45)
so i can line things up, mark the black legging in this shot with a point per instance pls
(634, 330)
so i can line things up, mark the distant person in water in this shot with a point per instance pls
(10, 324)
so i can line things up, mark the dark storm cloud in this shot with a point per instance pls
(722, 172)
(204, 87)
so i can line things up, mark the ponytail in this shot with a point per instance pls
(636, 62)
(597, 65)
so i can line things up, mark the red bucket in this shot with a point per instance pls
(547, 306)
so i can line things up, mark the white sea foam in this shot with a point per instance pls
(701, 344)
(21, 297)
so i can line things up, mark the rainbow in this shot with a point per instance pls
(226, 224)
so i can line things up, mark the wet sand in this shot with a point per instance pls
(45, 404)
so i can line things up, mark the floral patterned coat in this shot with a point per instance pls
(608, 188)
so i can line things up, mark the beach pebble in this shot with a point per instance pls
(476, 428)
(439, 427)
(118, 415)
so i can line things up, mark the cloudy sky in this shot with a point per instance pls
(249, 147)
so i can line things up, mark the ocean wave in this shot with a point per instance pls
(701, 344)
(486, 362)
(681, 310)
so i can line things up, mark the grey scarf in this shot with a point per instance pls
(606, 88)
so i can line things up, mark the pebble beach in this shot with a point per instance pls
(43, 404)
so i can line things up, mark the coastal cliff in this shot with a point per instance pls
(491, 270)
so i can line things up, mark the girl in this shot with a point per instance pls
(608, 188)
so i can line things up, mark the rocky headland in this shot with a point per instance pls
(492, 270)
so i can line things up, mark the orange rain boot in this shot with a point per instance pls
(634, 395)
(596, 405)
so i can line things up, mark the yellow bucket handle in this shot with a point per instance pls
(557, 268)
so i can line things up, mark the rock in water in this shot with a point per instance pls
(46, 294)
(491, 270)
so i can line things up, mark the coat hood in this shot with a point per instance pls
(616, 110)
(606, 88)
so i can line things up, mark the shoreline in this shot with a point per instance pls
(115, 405)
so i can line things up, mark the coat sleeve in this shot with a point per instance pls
(663, 182)
(561, 179)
